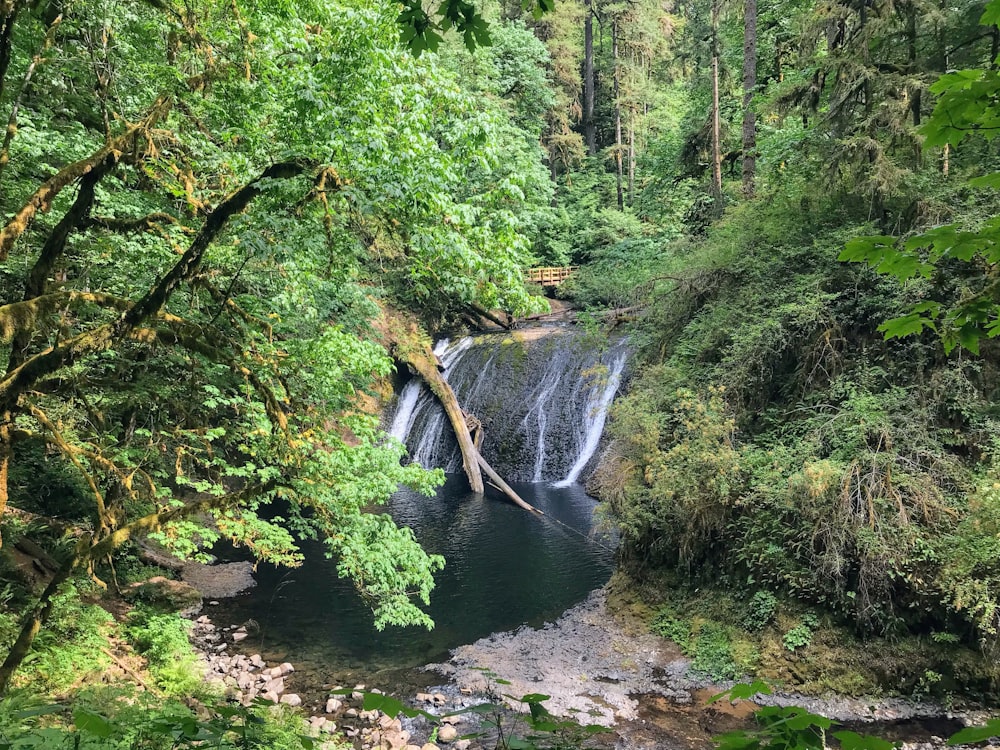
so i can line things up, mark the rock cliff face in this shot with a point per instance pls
(541, 396)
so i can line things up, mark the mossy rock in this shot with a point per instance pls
(164, 594)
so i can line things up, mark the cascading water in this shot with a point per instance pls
(542, 398)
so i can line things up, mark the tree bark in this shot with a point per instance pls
(589, 127)
(749, 86)
(631, 157)
(716, 124)
(618, 115)
(426, 368)
(8, 17)
(504, 487)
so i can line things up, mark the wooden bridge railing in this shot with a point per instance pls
(550, 276)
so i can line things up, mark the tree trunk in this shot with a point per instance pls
(716, 125)
(618, 116)
(749, 86)
(911, 44)
(631, 157)
(589, 128)
(428, 372)
(504, 487)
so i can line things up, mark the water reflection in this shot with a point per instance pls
(505, 568)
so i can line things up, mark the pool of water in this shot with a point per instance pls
(504, 568)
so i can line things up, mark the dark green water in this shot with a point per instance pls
(505, 568)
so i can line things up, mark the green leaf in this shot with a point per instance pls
(88, 721)
(971, 735)
(854, 741)
(991, 15)
(991, 180)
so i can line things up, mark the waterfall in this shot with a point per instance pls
(594, 419)
(542, 396)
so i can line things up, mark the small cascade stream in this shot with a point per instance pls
(542, 399)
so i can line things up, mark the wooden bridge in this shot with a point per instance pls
(550, 276)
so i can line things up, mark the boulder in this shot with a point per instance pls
(286, 668)
(291, 699)
(277, 686)
(257, 661)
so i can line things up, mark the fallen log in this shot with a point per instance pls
(504, 487)
(410, 344)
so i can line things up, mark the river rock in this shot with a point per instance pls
(269, 696)
(333, 705)
(385, 721)
(463, 744)
(429, 746)
(447, 733)
(277, 686)
(394, 739)
(291, 699)
(286, 668)
(440, 699)
(257, 661)
(453, 719)
(239, 636)
(424, 698)
(351, 713)
(245, 680)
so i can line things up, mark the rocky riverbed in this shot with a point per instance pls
(593, 666)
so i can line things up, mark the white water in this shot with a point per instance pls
(403, 420)
(545, 390)
(543, 416)
(595, 419)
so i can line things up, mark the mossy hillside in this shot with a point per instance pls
(796, 649)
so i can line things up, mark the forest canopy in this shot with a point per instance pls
(207, 207)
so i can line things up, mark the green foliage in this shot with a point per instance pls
(276, 174)
(668, 626)
(163, 640)
(773, 442)
(788, 728)
(132, 722)
(760, 611)
(801, 635)
(70, 649)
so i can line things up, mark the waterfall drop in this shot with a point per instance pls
(542, 396)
